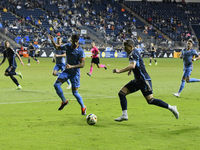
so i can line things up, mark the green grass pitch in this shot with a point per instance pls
(29, 119)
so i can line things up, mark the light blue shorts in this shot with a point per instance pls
(187, 73)
(58, 67)
(74, 78)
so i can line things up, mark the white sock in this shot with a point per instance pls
(124, 113)
(170, 107)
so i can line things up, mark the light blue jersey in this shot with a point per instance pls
(73, 57)
(187, 58)
(59, 60)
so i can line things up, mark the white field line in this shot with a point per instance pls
(96, 97)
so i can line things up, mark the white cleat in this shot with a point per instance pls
(176, 94)
(18, 87)
(69, 86)
(28, 64)
(122, 118)
(150, 64)
(175, 111)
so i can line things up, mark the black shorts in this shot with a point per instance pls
(144, 85)
(10, 69)
(32, 54)
(95, 60)
(153, 54)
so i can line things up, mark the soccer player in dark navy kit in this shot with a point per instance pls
(75, 60)
(32, 54)
(187, 56)
(141, 82)
(153, 54)
(10, 54)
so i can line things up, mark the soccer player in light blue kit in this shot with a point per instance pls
(187, 56)
(59, 58)
(141, 82)
(75, 60)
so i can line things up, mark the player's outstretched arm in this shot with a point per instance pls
(196, 58)
(56, 46)
(20, 59)
(3, 61)
(128, 68)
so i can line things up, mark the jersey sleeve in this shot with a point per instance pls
(63, 47)
(81, 54)
(194, 53)
(133, 58)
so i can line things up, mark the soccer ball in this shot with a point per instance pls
(91, 119)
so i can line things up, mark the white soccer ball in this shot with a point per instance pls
(91, 119)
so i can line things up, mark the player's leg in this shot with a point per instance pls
(75, 81)
(36, 59)
(160, 103)
(10, 71)
(150, 61)
(29, 60)
(127, 89)
(55, 70)
(91, 69)
(186, 74)
(189, 80)
(57, 85)
(146, 90)
(100, 65)
(154, 57)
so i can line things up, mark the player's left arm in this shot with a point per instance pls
(80, 65)
(20, 59)
(196, 58)
(128, 68)
(62, 55)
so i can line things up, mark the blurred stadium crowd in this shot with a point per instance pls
(167, 24)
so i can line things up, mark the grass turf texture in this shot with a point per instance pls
(29, 118)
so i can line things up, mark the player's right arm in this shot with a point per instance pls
(128, 68)
(4, 58)
(56, 46)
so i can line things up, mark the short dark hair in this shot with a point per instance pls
(75, 37)
(129, 43)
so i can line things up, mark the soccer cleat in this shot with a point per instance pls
(28, 64)
(105, 68)
(122, 118)
(150, 64)
(18, 87)
(88, 74)
(175, 111)
(69, 86)
(83, 111)
(20, 75)
(38, 61)
(62, 105)
(176, 94)
(156, 63)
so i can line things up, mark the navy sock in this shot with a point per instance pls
(158, 102)
(12, 73)
(15, 80)
(150, 60)
(28, 60)
(35, 59)
(123, 100)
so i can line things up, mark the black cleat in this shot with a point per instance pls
(88, 74)
(105, 68)
(62, 105)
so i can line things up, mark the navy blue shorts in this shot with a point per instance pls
(144, 85)
(10, 69)
(32, 54)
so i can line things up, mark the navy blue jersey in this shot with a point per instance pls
(139, 71)
(10, 54)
